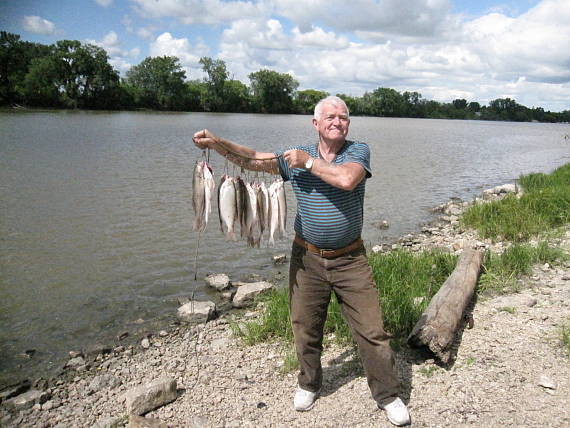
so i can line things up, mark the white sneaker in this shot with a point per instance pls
(397, 412)
(304, 400)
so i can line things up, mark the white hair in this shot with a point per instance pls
(331, 99)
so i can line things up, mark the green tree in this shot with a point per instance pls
(159, 83)
(272, 91)
(236, 97)
(305, 101)
(217, 75)
(15, 59)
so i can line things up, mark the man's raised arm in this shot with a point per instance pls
(242, 156)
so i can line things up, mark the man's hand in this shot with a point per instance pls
(296, 158)
(204, 139)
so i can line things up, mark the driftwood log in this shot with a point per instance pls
(439, 323)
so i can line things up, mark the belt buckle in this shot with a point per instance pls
(326, 253)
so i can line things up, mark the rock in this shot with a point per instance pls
(145, 343)
(505, 188)
(75, 363)
(163, 333)
(382, 224)
(279, 259)
(219, 281)
(229, 293)
(246, 293)
(198, 422)
(143, 399)
(197, 312)
(15, 390)
(142, 422)
(28, 399)
(546, 382)
(104, 381)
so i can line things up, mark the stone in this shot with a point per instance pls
(279, 259)
(145, 343)
(546, 382)
(247, 293)
(75, 363)
(28, 399)
(197, 312)
(219, 281)
(145, 398)
(142, 422)
(104, 381)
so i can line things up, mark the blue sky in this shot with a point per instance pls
(444, 49)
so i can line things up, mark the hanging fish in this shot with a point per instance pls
(241, 200)
(282, 207)
(263, 207)
(227, 206)
(202, 190)
(273, 214)
(251, 220)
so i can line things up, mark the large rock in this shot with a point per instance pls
(143, 399)
(247, 292)
(219, 281)
(27, 399)
(197, 312)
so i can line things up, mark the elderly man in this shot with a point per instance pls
(328, 179)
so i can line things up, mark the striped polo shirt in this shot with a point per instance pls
(328, 217)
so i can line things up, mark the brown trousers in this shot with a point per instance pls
(311, 281)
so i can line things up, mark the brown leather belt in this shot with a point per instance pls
(327, 254)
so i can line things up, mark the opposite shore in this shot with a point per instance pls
(508, 371)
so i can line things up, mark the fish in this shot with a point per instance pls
(263, 207)
(202, 190)
(241, 200)
(227, 206)
(273, 214)
(251, 219)
(282, 207)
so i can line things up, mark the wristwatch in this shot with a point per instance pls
(309, 164)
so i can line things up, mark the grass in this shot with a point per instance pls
(544, 205)
(501, 272)
(565, 337)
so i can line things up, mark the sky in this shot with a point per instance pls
(479, 50)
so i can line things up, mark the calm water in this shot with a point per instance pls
(95, 210)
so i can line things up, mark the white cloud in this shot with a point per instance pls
(38, 25)
(119, 57)
(104, 3)
(189, 56)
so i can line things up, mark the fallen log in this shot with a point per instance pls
(439, 323)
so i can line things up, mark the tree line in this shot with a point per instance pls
(71, 74)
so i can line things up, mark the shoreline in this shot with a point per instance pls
(227, 384)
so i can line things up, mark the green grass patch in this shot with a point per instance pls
(565, 337)
(544, 205)
(500, 272)
(406, 283)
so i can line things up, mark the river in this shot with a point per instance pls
(96, 215)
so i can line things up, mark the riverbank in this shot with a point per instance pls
(509, 370)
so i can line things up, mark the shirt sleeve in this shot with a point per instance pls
(360, 153)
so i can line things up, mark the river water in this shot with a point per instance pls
(96, 215)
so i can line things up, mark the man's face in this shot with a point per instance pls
(333, 123)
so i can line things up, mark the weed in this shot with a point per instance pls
(511, 310)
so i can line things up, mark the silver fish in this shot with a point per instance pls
(202, 190)
(273, 214)
(282, 207)
(251, 220)
(241, 200)
(227, 206)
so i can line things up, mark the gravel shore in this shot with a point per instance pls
(509, 370)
